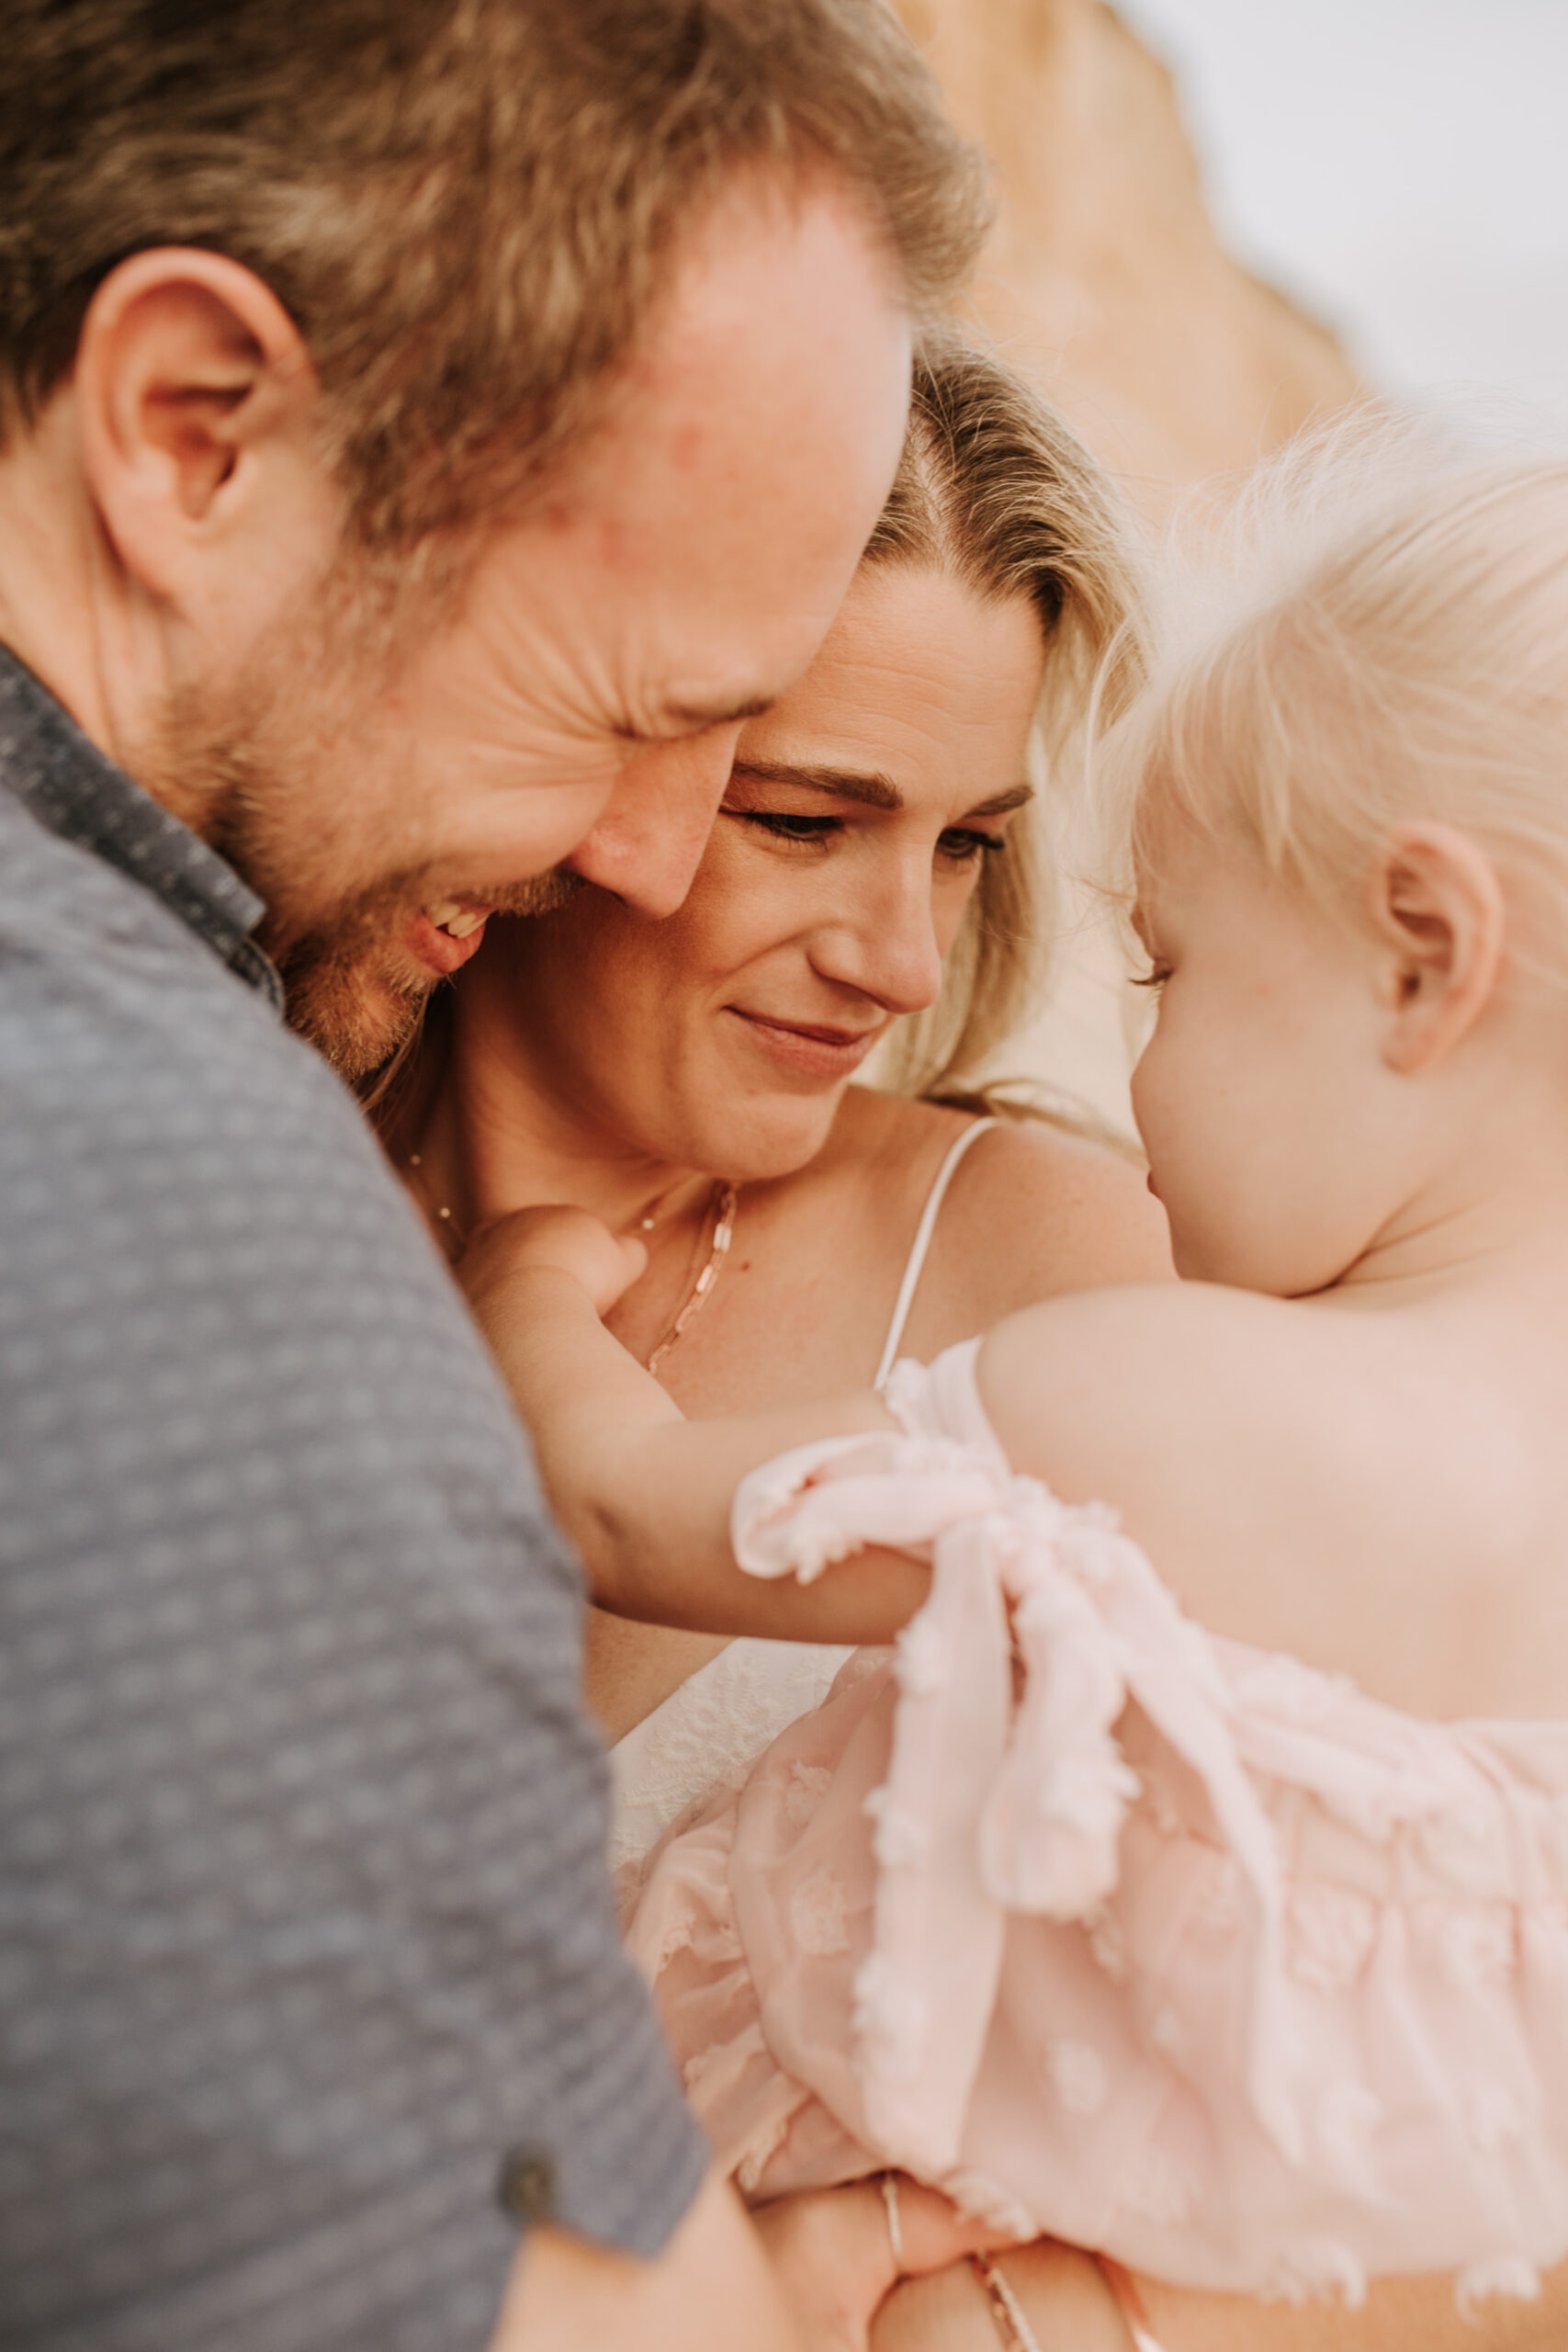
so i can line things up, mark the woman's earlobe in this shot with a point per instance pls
(1437, 907)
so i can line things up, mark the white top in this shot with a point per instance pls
(710, 1732)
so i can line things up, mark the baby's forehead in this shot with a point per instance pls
(1177, 867)
(1162, 864)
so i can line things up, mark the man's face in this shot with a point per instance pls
(580, 701)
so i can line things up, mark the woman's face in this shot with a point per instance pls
(858, 817)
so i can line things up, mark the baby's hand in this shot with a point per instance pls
(568, 1239)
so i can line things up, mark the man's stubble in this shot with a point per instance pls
(270, 767)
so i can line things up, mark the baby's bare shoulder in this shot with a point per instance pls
(1138, 1362)
(1224, 1427)
(1356, 1486)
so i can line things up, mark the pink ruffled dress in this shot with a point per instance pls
(1118, 1931)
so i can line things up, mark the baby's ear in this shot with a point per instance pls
(1437, 908)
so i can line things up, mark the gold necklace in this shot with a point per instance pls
(722, 1197)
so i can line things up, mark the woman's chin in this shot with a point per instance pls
(761, 1150)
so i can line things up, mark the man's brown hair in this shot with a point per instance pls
(466, 206)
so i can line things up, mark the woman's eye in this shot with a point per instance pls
(961, 844)
(1155, 977)
(785, 825)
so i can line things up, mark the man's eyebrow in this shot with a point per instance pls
(868, 785)
(698, 714)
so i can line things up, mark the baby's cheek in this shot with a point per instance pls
(1220, 1230)
(1169, 1133)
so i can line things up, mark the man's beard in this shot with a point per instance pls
(356, 994)
(347, 988)
(257, 765)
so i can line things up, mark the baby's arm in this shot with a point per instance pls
(1212, 1419)
(644, 1493)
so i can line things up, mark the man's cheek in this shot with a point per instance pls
(496, 840)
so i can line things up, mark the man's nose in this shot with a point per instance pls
(650, 841)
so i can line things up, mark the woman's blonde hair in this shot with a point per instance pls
(1382, 639)
(996, 491)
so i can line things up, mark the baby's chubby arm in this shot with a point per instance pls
(1212, 1419)
(643, 1493)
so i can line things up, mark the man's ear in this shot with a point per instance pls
(196, 404)
(1437, 907)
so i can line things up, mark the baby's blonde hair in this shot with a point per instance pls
(1376, 635)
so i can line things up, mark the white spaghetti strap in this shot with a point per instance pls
(1129, 2302)
(922, 1243)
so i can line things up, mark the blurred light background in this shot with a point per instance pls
(1399, 170)
(1221, 220)
(1400, 166)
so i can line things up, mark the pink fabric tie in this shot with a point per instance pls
(1020, 1807)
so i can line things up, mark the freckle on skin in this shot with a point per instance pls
(616, 543)
(686, 445)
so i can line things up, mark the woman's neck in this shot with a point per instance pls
(480, 1130)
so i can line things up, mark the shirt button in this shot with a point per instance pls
(527, 2186)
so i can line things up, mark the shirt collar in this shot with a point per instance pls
(48, 763)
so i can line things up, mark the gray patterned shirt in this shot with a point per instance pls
(305, 1937)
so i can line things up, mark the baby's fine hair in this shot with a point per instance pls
(1376, 634)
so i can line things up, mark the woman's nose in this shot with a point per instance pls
(649, 844)
(887, 946)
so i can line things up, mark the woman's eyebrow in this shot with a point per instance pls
(1001, 804)
(870, 786)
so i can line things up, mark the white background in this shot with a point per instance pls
(1399, 166)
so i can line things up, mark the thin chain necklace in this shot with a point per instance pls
(721, 1204)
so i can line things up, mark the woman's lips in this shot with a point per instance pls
(442, 937)
(810, 1046)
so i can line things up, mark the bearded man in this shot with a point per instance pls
(430, 429)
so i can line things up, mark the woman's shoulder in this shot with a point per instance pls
(1033, 1211)
(1089, 1203)
(872, 1123)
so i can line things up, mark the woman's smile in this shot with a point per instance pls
(810, 1047)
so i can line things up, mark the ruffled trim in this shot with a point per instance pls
(797, 1515)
